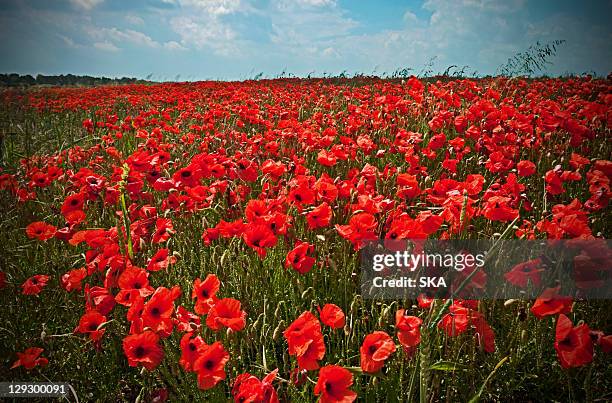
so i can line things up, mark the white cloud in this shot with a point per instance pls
(134, 20)
(317, 3)
(111, 38)
(116, 35)
(214, 7)
(299, 30)
(173, 45)
(330, 52)
(86, 4)
(410, 17)
(68, 41)
(205, 33)
(106, 46)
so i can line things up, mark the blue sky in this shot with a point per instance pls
(237, 39)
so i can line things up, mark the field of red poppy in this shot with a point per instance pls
(201, 241)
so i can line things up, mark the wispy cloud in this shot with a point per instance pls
(86, 4)
(105, 46)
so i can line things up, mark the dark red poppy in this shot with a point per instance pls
(333, 385)
(73, 203)
(305, 341)
(191, 346)
(133, 281)
(361, 228)
(40, 230)
(71, 281)
(408, 328)
(35, 284)
(376, 348)
(157, 312)
(210, 365)
(525, 273)
(226, 312)
(30, 358)
(526, 168)
(319, 217)
(551, 303)
(259, 237)
(332, 316)
(205, 293)
(161, 260)
(186, 321)
(143, 349)
(248, 388)
(163, 230)
(573, 344)
(91, 324)
(298, 258)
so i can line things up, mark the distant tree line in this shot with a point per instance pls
(17, 80)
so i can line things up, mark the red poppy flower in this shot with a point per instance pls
(161, 260)
(259, 237)
(319, 217)
(526, 168)
(143, 349)
(186, 321)
(230, 229)
(2, 280)
(133, 281)
(226, 313)
(40, 230)
(456, 321)
(326, 158)
(248, 388)
(30, 358)
(210, 365)
(408, 186)
(157, 312)
(99, 298)
(73, 203)
(71, 281)
(376, 348)
(525, 273)
(90, 324)
(573, 344)
(302, 195)
(326, 190)
(35, 284)
(40, 179)
(163, 230)
(498, 209)
(334, 385)
(305, 341)
(256, 210)
(424, 302)
(190, 350)
(554, 183)
(408, 328)
(361, 227)
(550, 303)
(309, 358)
(298, 259)
(188, 176)
(205, 293)
(605, 342)
(332, 316)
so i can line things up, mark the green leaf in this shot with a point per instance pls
(446, 366)
(476, 397)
